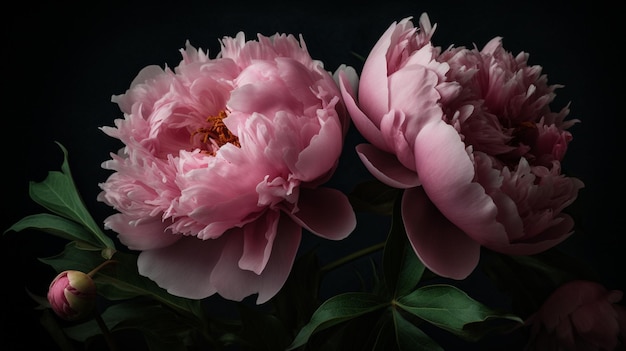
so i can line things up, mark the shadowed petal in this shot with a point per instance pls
(439, 244)
(325, 212)
(386, 167)
(184, 268)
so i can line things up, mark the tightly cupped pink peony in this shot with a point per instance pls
(579, 316)
(470, 136)
(223, 165)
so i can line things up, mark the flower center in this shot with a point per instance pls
(210, 139)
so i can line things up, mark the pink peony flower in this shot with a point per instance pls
(72, 295)
(222, 167)
(579, 316)
(470, 137)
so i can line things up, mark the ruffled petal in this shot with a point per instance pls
(325, 212)
(441, 246)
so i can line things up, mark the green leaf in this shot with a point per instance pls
(58, 194)
(451, 309)
(57, 226)
(410, 337)
(338, 309)
(373, 196)
(402, 268)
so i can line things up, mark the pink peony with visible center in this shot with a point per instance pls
(222, 167)
(579, 316)
(470, 136)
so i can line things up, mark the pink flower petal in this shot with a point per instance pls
(235, 284)
(258, 238)
(362, 122)
(386, 167)
(440, 245)
(184, 268)
(145, 234)
(446, 172)
(325, 212)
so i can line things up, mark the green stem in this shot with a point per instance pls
(353, 256)
(95, 270)
(106, 332)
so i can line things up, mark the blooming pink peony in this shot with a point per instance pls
(470, 136)
(579, 316)
(72, 295)
(222, 167)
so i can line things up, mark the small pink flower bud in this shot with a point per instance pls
(72, 295)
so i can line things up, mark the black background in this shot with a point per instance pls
(62, 63)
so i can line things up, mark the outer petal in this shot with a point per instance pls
(446, 172)
(184, 268)
(386, 167)
(373, 89)
(258, 238)
(362, 122)
(325, 212)
(442, 247)
(147, 234)
(236, 284)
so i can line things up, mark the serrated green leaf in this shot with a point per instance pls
(57, 226)
(402, 269)
(451, 309)
(410, 338)
(338, 309)
(58, 194)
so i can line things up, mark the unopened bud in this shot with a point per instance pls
(72, 295)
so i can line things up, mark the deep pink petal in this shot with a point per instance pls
(144, 234)
(325, 212)
(386, 167)
(440, 245)
(548, 239)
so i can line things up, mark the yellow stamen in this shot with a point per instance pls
(216, 132)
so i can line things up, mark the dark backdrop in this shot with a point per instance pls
(62, 63)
